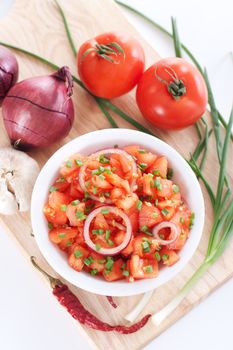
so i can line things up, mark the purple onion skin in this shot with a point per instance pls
(8, 71)
(39, 111)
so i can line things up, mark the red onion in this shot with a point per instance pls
(106, 251)
(96, 156)
(39, 111)
(8, 71)
(166, 224)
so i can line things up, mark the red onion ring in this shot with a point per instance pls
(106, 251)
(166, 224)
(96, 155)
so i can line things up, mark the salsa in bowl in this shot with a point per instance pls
(110, 217)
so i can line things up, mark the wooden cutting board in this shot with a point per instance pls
(37, 26)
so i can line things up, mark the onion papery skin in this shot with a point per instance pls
(39, 111)
(8, 71)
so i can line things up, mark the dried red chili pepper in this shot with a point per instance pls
(112, 302)
(70, 301)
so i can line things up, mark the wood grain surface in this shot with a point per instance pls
(37, 26)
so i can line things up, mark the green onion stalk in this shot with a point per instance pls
(222, 201)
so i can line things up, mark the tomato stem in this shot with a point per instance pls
(104, 50)
(176, 87)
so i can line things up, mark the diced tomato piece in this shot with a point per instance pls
(57, 235)
(144, 246)
(164, 188)
(57, 199)
(125, 164)
(116, 272)
(147, 183)
(71, 165)
(132, 149)
(93, 164)
(100, 222)
(160, 167)
(76, 258)
(73, 212)
(143, 268)
(134, 220)
(117, 181)
(115, 163)
(61, 184)
(98, 262)
(149, 215)
(182, 217)
(55, 216)
(147, 158)
(168, 257)
(117, 193)
(180, 241)
(128, 202)
(66, 245)
(100, 183)
(118, 239)
(167, 213)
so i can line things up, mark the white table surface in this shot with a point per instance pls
(30, 317)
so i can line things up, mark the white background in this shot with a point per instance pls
(30, 317)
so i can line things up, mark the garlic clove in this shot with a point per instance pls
(8, 205)
(19, 172)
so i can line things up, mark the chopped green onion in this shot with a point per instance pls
(69, 164)
(107, 234)
(109, 264)
(165, 257)
(95, 172)
(170, 173)
(50, 225)
(61, 179)
(107, 194)
(156, 172)
(87, 184)
(78, 162)
(101, 177)
(175, 189)
(182, 219)
(142, 166)
(139, 204)
(158, 184)
(192, 217)
(146, 230)
(97, 232)
(105, 211)
(155, 214)
(123, 266)
(157, 256)
(145, 247)
(142, 151)
(94, 189)
(148, 268)
(75, 202)
(53, 189)
(61, 235)
(63, 207)
(88, 261)
(103, 159)
(125, 273)
(97, 247)
(165, 212)
(93, 272)
(79, 214)
(68, 243)
(110, 242)
(101, 261)
(78, 254)
(156, 202)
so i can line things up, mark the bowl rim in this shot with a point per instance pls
(83, 280)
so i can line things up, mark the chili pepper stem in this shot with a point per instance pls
(53, 281)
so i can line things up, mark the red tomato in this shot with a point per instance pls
(110, 64)
(149, 216)
(158, 101)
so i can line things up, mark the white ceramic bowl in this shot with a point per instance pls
(90, 143)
